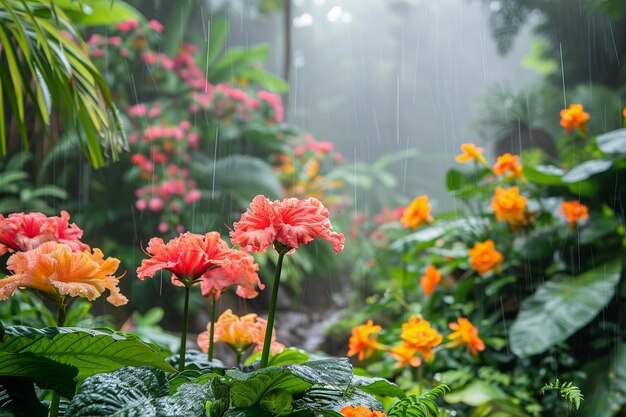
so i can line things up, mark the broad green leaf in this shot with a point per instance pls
(217, 36)
(247, 389)
(137, 392)
(426, 234)
(475, 394)
(236, 60)
(377, 386)
(604, 385)
(18, 397)
(99, 12)
(289, 356)
(500, 408)
(538, 244)
(330, 398)
(612, 142)
(337, 371)
(88, 351)
(265, 79)
(560, 307)
(544, 174)
(587, 170)
(278, 402)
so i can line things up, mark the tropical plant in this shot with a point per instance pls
(47, 77)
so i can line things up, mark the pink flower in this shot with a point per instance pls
(155, 111)
(274, 101)
(163, 227)
(238, 270)
(291, 222)
(149, 58)
(185, 124)
(23, 232)
(115, 40)
(128, 25)
(141, 205)
(193, 140)
(94, 40)
(97, 53)
(124, 53)
(192, 196)
(138, 110)
(155, 204)
(155, 26)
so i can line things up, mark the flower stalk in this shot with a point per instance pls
(183, 335)
(267, 342)
(212, 331)
(56, 398)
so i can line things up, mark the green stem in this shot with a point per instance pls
(183, 335)
(270, 315)
(239, 352)
(56, 398)
(212, 331)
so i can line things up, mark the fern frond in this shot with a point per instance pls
(423, 406)
(570, 392)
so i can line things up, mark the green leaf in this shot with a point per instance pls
(587, 170)
(236, 60)
(544, 174)
(99, 12)
(423, 406)
(538, 244)
(560, 307)
(88, 351)
(337, 371)
(612, 142)
(278, 402)
(377, 386)
(219, 31)
(475, 394)
(17, 395)
(265, 79)
(604, 385)
(247, 389)
(289, 356)
(330, 398)
(137, 392)
(499, 408)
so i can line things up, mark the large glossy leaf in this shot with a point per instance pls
(587, 170)
(612, 142)
(98, 12)
(544, 174)
(87, 351)
(560, 307)
(137, 392)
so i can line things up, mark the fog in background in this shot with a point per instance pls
(377, 77)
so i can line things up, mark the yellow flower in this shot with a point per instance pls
(465, 333)
(364, 340)
(574, 118)
(416, 213)
(508, 163)
(471, 152)
(484, 257)
(419, 335)
(509, 205)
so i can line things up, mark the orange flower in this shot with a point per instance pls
(484, 257)
(574, 212)
(419, 335)
(624, 113)
(509, 205)
(508, 163)
(238, 332)
(405, 356)
(364, 340)
(58, 270)
(416, 212)
(471, 152)
(465, 333)
(574, 117)
(291, 222)
(361, 411)
(430, 279)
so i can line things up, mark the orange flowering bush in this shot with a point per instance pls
(484, 257)
(574, 212)
(416, 213)
(509, 205)
(508, 164)
(464, 333)
(360, 411)
(364, 340)
(574, 117)
(430, 279)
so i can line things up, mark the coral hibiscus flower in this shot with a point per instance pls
(26, 231)
(291, 222)
(187, 257)
(238, 269)
(58, 270)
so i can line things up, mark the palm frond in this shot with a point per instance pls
(44, 67)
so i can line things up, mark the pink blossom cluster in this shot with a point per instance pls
(308, 143)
